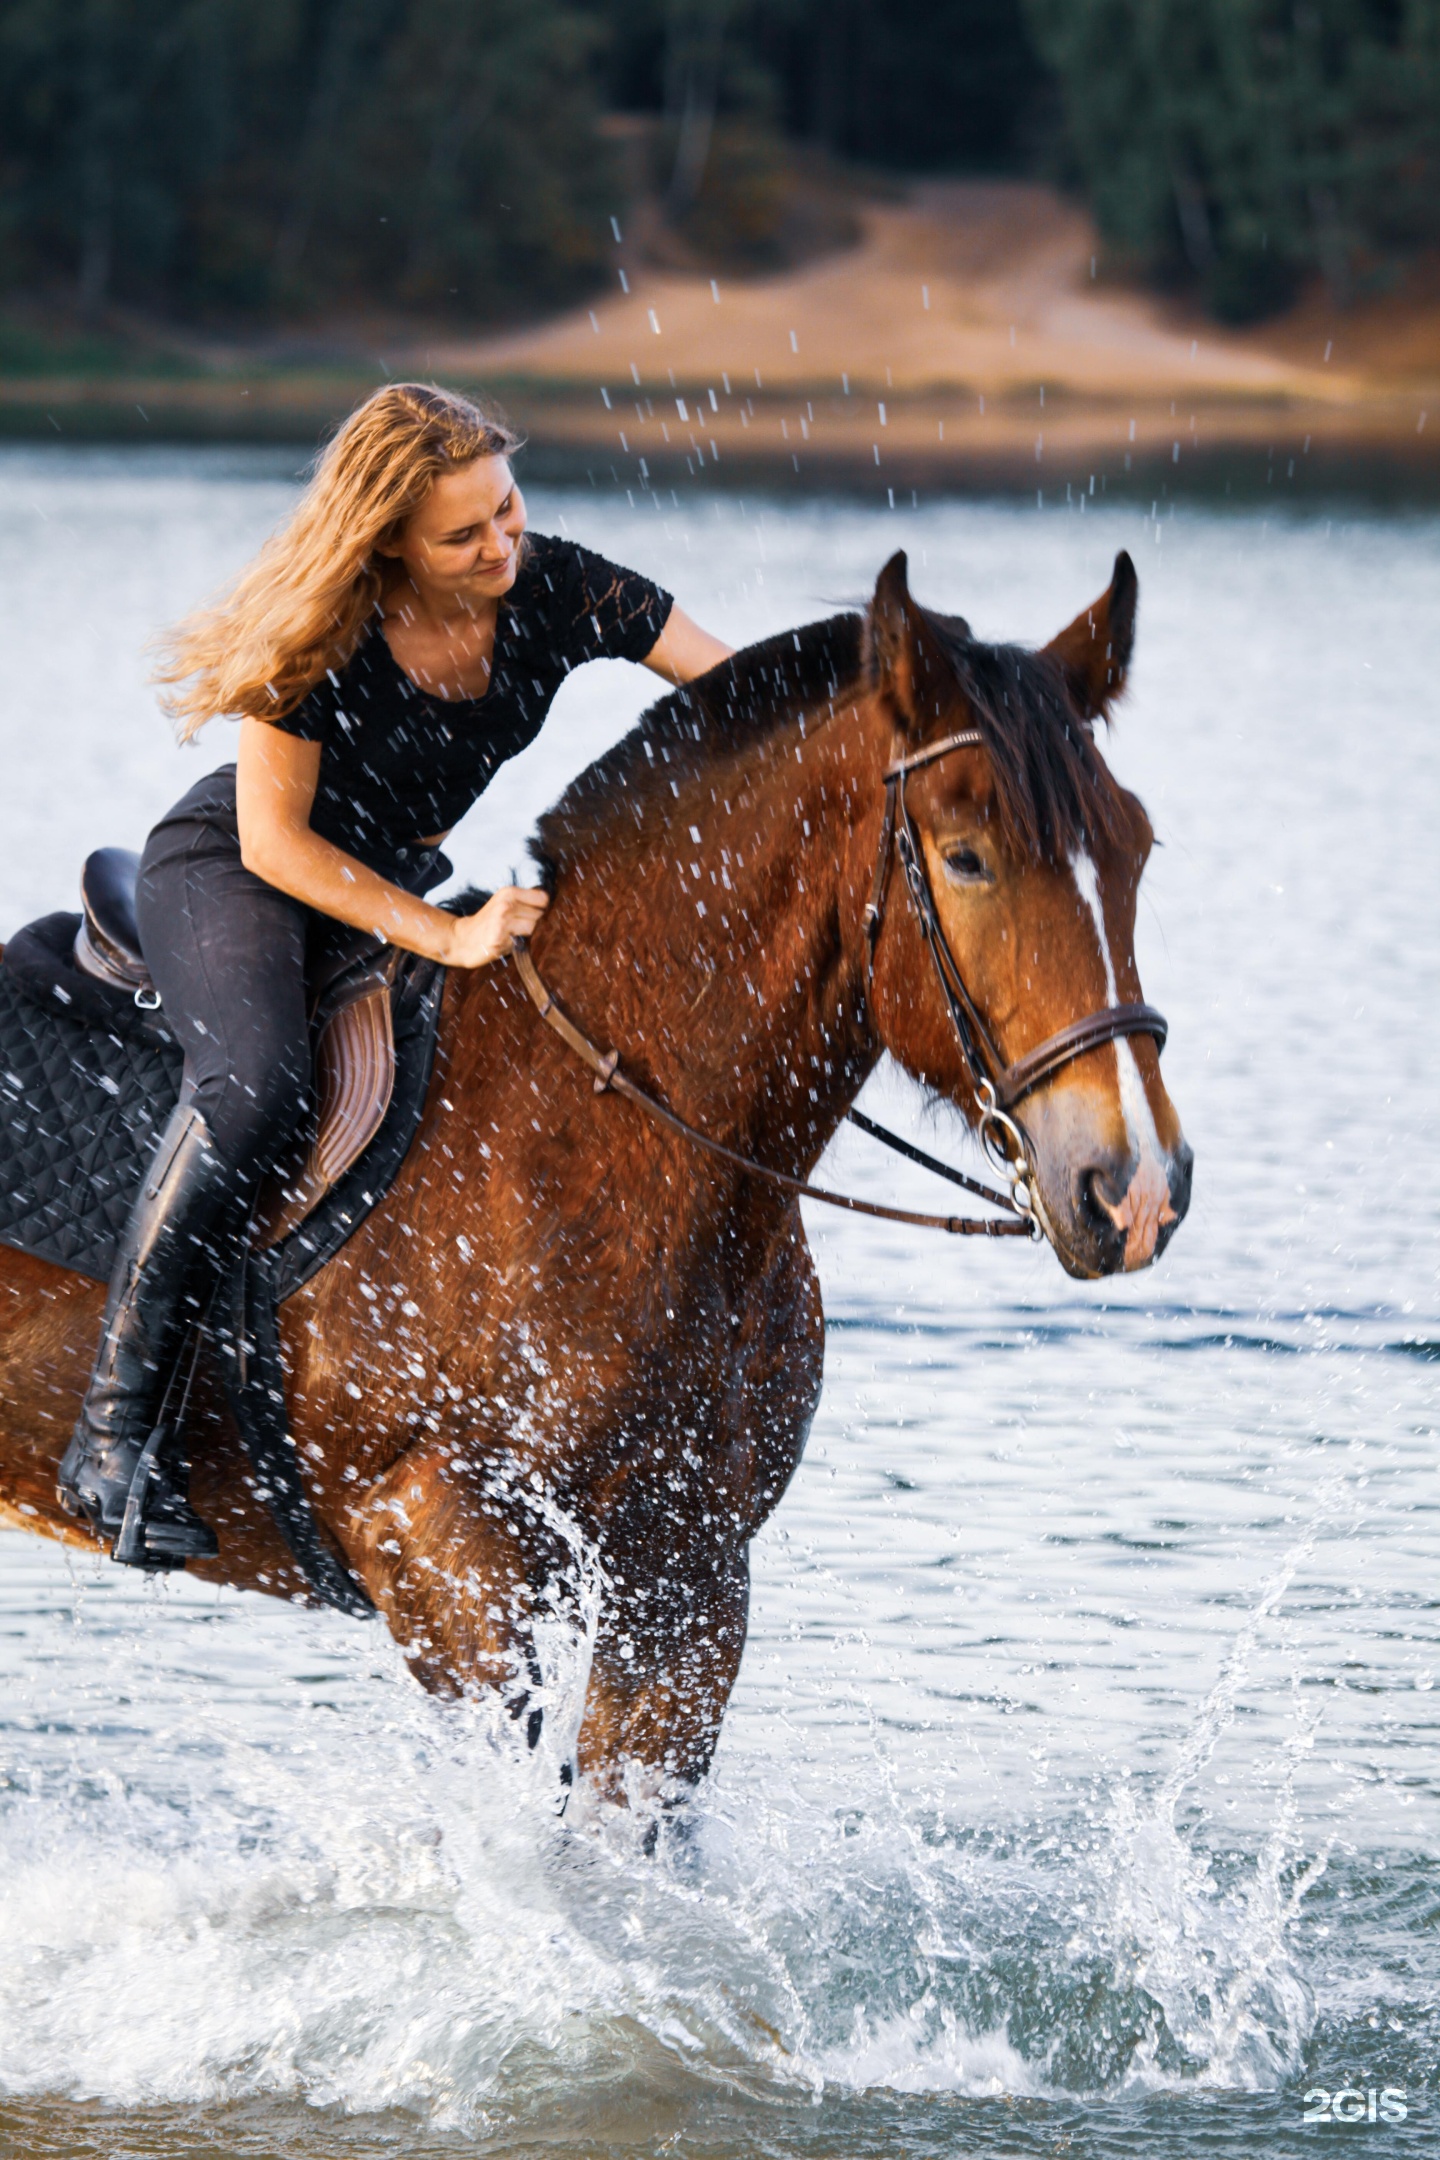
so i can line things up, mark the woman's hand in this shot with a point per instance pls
(511, 913)
(274, 792)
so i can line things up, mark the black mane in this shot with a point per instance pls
(1053, 791)
(738, 706)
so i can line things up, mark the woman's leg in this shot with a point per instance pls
(227, 954)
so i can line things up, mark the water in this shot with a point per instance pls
(1079, 1791)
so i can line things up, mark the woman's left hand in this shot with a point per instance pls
(488, 934)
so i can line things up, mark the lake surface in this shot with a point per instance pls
(1079, 1793)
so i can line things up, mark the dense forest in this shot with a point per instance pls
(239, 161)
(1248, 144)
(262, 158)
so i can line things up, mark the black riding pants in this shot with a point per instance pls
(229, 955)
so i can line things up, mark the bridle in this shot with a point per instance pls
(998, 1086)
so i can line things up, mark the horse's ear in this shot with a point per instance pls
(899, 647)
(1095, 650)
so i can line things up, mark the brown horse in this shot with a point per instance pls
(566, 1327)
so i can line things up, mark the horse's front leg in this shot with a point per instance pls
(664, 1666)
(459, 1567)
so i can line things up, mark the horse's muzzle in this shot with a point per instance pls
(1125, 1213)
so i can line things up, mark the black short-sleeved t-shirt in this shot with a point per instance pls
(398, 764)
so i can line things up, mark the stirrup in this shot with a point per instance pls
(152, 1542)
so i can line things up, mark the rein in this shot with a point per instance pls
(998, 1086)
(610, 1076)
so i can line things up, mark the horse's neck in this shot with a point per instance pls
(720, 968)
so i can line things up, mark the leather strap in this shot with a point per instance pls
(907, 1148)
(875, 906)
(1011, 1083)
(1073, 1041)
(980, 1053)
(967, 739)
(610, 1075)
(1004, 1084)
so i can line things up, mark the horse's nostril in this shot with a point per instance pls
(1102, 1194)
(1182, 1170)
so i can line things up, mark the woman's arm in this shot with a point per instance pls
(276, 777)
(683, 650)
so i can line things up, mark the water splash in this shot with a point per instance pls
(1215, 1955)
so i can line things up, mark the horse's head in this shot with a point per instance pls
(1032, 854)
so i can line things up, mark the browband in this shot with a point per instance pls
(968, 739)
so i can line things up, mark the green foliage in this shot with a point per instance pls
(272, 156)
(747, 91)
(1251, 142)
(269, 159)
(28, 347)
(921, 85)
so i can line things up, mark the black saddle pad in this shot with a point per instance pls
(86, 1084)
(87, 1081)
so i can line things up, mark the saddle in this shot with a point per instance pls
(89, 1074)
(352, 1036)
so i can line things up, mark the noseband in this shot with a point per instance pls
(998, 1086)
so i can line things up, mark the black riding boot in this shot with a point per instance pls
(165, 1252)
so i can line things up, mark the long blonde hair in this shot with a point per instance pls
(301, 605)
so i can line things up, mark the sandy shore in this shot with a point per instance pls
(966, 338)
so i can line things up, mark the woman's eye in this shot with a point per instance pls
(966, 865)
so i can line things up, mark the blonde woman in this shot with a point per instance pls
(389, 649)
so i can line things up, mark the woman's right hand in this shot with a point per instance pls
(511, 913)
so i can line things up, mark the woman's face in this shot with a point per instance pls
(463, 542)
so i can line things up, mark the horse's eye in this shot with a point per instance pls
(966, 867)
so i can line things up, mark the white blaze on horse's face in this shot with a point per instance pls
(1036, 945)
(1145, 1207)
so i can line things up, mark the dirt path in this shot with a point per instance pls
(973, 285)
(966, 338)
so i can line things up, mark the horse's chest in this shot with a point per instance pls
(705, 1456)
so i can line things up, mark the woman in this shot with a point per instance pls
(386, 652)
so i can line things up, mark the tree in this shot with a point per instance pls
(917, 84)
(1247, 143)
(273, 156)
